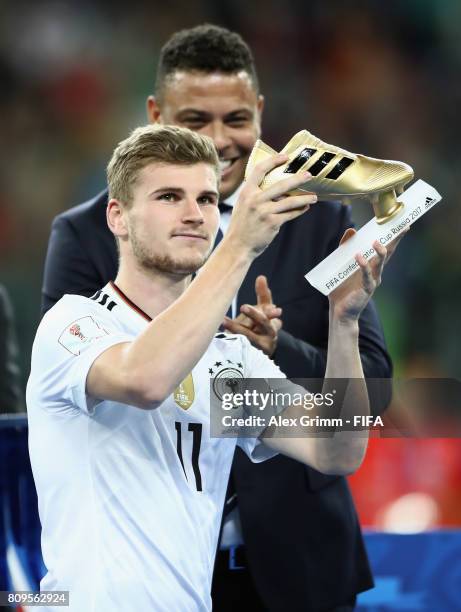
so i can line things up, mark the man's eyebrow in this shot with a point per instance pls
(165, 189)
(203, 113)
(180, 191)
(193, 111)
(210, 192)
(237, 111)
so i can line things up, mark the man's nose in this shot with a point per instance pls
(218, 132)
(192, 212)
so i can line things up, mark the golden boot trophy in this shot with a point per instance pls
(338, 174)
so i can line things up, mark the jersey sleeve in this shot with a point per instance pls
(257, 365)
(69, 339)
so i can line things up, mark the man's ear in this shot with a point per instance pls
(116, 218)
(260, 107)
(153, 110)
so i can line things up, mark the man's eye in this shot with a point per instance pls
(207, 200)
(238, 122)
(169, 197)
(195, 122)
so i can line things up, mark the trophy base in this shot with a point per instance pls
(386, 206)
(339, 265)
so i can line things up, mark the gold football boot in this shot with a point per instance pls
(338, 174)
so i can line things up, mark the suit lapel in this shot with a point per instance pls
(264, 264)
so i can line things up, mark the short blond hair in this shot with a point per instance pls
(156, 143)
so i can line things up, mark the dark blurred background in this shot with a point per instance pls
(381, 78)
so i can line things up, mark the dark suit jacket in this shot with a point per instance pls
(11, 397)
(304, 545)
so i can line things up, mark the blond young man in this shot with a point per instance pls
(130, 483)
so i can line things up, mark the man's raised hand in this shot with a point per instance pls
(349, 299)
(259, 213)
(260, 323)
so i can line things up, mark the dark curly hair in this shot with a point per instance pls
(205, 48)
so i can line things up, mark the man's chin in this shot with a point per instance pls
(176, 267)
(232, 182)
(185, 268)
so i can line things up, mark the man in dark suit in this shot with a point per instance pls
(315, 559)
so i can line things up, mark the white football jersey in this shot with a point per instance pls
(130, 500)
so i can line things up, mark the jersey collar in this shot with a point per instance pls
(119, 293)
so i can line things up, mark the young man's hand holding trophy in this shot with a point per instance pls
(338, 174)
